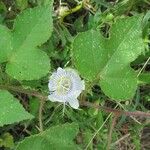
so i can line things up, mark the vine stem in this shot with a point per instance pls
(116, 111)
(43, 98)
(42, 101)
(25, 91)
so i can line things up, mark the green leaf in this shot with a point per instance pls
(55, 138)
(11, 110)
(109, 59)
(32, 28)
(146, 24)
(43, 2)
(118, 80)
(28, 64)
(5, 44)
(34, 104)
(7, 141)
(22, 4)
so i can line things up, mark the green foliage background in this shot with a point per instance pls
(106, 41)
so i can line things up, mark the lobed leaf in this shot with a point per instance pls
(109, 59)
(31, 29)
(118, 80)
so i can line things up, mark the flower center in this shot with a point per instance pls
(63, 85)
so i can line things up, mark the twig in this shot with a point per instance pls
(43, 97)
(143, 66)
(121, 139)
(41, 114)
(111, 130)
(130, 116)
(88, 104)
(116, 111)
(98, 131)
(22, 90)
(70, 11)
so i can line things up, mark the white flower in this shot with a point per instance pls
(65, 85)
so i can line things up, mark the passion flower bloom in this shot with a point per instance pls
(65, 86)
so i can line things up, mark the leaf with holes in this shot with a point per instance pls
(108, 59)
(11, 110)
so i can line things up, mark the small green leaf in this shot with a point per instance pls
(22, 4)
(11, 110)
(7, 141)
(34, 104)
(55, 138)
(5, 43)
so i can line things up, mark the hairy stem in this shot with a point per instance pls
(42, 101)
(116, 111)
(42, 96)
(22, 90)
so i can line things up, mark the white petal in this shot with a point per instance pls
(60, 70)
(51, 85)
(83, 85)
(53, 76)
(54, 99)
(74, 103)
(76, 93)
